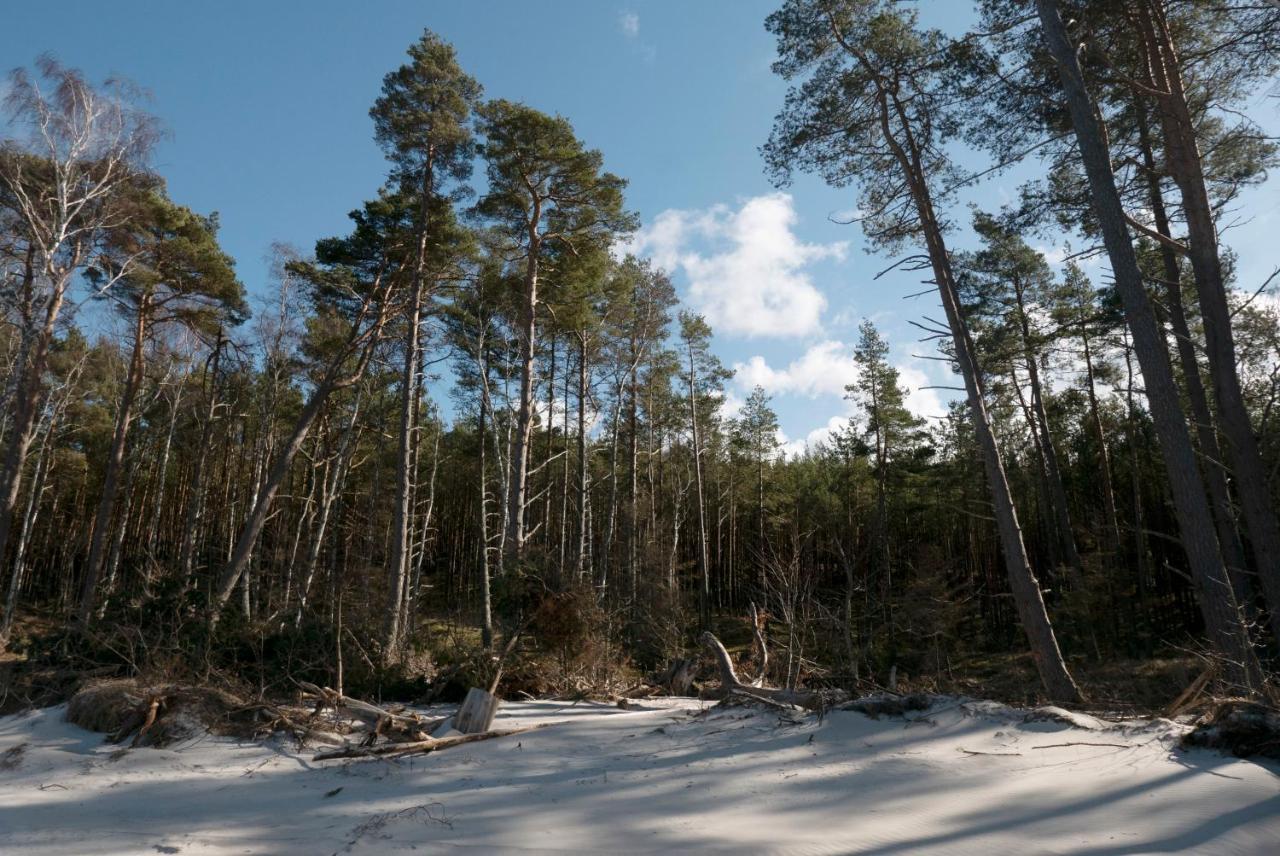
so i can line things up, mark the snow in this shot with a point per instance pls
(677, 776)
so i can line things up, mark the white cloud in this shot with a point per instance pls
(1053, 255)
(824, 369)
(920, 401)
(847, 215)
(730, 404)
(630, 24)
(748, 274)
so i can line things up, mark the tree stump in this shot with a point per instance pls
(477, 712)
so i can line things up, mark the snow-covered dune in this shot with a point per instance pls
(674, 777)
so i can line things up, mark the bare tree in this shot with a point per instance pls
(83, 144)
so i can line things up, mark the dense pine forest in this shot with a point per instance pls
(473, 434)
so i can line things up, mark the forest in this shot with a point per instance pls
(472, 439)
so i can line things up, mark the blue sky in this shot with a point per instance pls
(267, 109)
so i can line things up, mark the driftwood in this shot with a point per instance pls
(477, 712)
(1239, 726)
(731, 685)
(758, 619)
(379, 722)
(422, 747)
(1191, 693)
(678, 677)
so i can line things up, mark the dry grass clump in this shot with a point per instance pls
(1243, 728)
(161, 715)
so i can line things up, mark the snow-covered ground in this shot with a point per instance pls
(962, 778)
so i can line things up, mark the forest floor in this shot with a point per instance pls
(674, 775)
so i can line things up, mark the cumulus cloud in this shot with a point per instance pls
(920, 401)
(824, 369)
(745, 267)
(798, 378)
(821, 434)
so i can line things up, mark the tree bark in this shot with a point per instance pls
(1027, 596)
(704, 591)
(1186, 167)
(332, 381)
(524, 415)
(115, 462)
(1227, 631)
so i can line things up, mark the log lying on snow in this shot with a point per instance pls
(408, 733)
(731, 685)
(423, 747)
(379, 722)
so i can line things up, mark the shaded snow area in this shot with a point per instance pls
(677, 776)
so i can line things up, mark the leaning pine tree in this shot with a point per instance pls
(871, 108)
(1223, 619)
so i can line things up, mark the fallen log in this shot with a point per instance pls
(731, 685)
(378, 721)
(423, 747)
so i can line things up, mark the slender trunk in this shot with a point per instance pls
(1227, 631)
(704, 592)
(1215, 474)
(583, 533)
(115, 463)
(606, 553)
(195, 507)
(1044, 503)
(1027, 596)
(43, 465)
(633, 480)
(564, 480)
(238, 560)
(402, 520)
(1185, 165)
(414, 585)
(1104, 458)
(524, 415)
(1053, 471)
(332, 481)
(550, 445)
(162, 470)
(25, 406)
(486, 614)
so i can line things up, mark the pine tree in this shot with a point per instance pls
(549, 193)
(422, 120)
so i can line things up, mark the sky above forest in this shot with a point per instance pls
(266, 108)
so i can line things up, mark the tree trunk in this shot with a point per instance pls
(1027, 596)
(1057, 492)
(195, 507)
(583, 490)
(25, 404)
(704, 591)
(1214, 467)
(1185, 165)
(401, 523)
(524, 416)
(238, 561)
(115, 462)
(1104, 458)
(43, 464)
(1223, 620)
